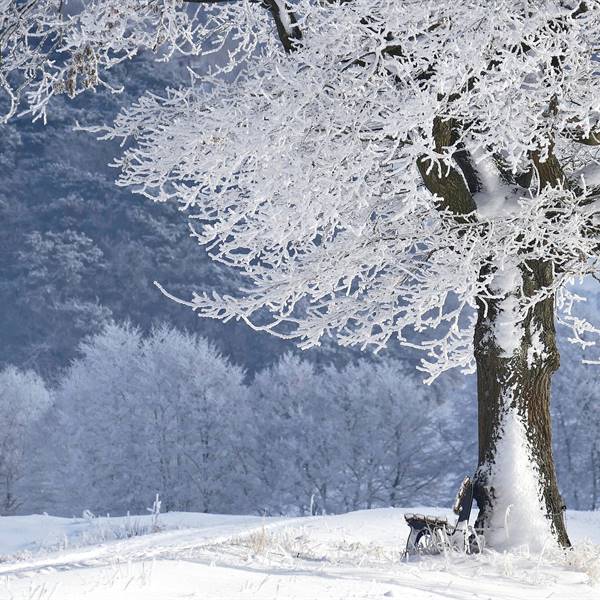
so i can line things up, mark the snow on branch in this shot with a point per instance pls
(52, 47)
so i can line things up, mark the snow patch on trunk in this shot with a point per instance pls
(508, 326)
(496, 197)
(519, 517)
(537, 350)
(284, 16)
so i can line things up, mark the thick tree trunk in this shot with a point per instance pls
(516, 354)
(514, 395)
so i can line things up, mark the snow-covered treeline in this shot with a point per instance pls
(23, 401)
(576, 419)
(136, 415)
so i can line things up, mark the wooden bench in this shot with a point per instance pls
(432, 535)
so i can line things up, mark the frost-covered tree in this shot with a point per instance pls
(196, 404)
(576, 419)
(392, 453)
(299, 467)
(374, 168)
(102, 428)
(23, 401)
(362, 436)
(141, 415)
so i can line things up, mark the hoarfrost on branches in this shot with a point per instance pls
(52, 47)
(320, 167)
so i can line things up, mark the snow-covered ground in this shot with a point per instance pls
(215, 557)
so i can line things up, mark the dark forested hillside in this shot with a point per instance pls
(78, 251)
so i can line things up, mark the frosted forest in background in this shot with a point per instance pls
(135, 415)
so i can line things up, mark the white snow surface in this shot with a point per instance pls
(216, 557)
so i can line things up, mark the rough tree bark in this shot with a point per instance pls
(524, 379)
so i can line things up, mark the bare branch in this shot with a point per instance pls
(286, 22)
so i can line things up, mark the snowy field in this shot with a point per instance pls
(214, 557)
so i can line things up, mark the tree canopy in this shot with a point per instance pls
(404, 161)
